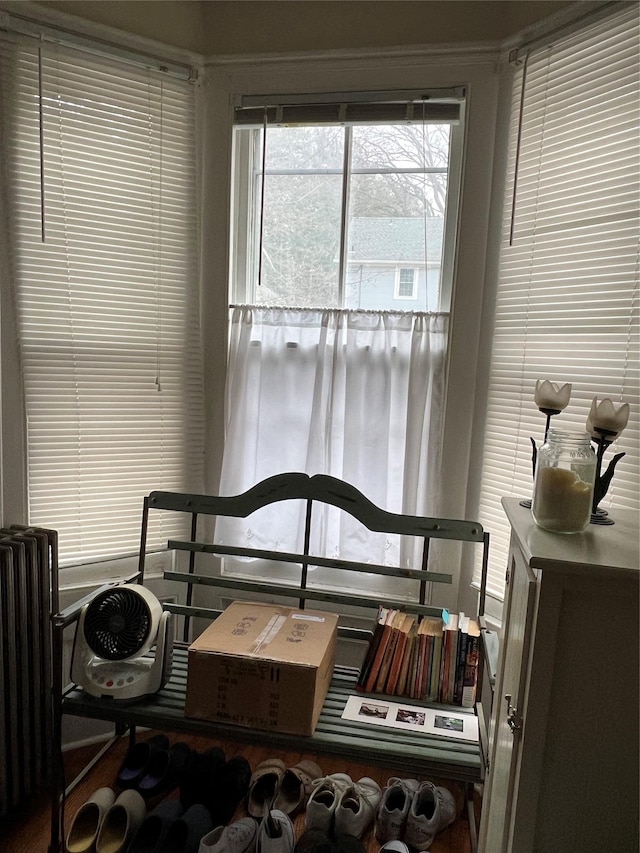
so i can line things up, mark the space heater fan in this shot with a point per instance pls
(123, 644)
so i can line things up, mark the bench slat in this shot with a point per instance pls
(407, 752)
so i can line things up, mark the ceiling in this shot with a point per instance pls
(218, 27)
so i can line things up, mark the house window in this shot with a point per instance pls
(567, 296)
(98, 170)
(331, 199)
(327, 373)
(405, 284)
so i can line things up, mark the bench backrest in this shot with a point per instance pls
(316, 489)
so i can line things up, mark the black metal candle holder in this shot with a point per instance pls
(603, 481)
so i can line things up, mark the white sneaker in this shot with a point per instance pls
(276, 833)
(237, 837)
(391, 817)
(356, 809)
(325, 796)
(394, 846)
(432, 810)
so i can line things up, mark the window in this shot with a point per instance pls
(332, 200)
(405, 284)
(99, 176)
(567, 301)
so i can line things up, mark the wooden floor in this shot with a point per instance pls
(29, 830)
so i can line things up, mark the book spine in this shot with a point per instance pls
(371, 652)
(435, 668)
(385, 666)
(471, 673)
(377, 661)
(461, 663)
(406, 659)
(396, 663)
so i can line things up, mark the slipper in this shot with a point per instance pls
(295, 787)
(86, 822)
(263, 786)
(137, 757)
(154, 827)
(121, 822)
(184, 834)
(165, 769)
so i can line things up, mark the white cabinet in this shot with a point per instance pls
(564, 752)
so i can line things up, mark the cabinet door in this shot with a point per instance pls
(506, 717)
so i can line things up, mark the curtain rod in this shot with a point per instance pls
(387, 96)
(32, 28)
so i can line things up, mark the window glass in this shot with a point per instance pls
(339, 211)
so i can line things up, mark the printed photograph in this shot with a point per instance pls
(369, 709)
(411, 717)
(453, 724)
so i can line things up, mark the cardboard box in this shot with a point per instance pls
(263, 666)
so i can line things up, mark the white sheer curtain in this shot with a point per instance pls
(355, 394)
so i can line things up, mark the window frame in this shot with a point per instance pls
(398, 284)
(245, 225)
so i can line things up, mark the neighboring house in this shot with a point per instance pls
(387, 263)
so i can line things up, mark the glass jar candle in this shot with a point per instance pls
(563, 486)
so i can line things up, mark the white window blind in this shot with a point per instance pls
(567, 300)
(103, 269)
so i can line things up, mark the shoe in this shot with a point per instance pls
(432, 810)
(227, 789)
(121, 822)
(136, 759)
(314, 841)
(391, 817)
(86, 822)
(164, 770)
(184, 834)
(154, 827)
(325, 795)
(348, 844)
(204, 769)
(295, 787)
(263, 786)
(394, 846)
(276, 833)
(357, 807)
(239, 837)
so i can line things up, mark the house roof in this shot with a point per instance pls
(395, 238)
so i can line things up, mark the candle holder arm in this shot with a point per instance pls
(602, 483)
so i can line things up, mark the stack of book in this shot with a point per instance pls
(435, 659)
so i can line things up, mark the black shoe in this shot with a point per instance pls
(314, 841)
(184, 834)
(204, 769)
(344, 843)
(165, 770)
(138, 756)
(228, 789)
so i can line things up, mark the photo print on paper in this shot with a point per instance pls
(452, 724)
(370, 709)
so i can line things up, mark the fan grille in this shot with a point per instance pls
(117, 623)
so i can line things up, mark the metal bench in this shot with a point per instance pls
(416, 753)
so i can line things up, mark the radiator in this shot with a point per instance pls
(28, 595)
